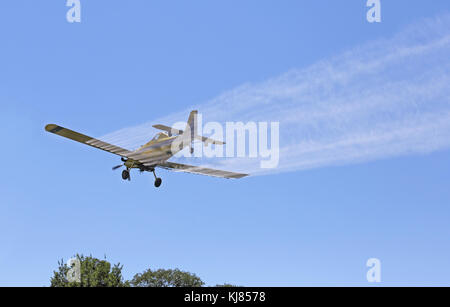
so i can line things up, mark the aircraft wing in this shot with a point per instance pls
(200, 170)
(84, 139)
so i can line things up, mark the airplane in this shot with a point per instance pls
(156, 152)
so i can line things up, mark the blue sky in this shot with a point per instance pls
(130, 63)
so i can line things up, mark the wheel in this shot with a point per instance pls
(125, 174)
(158, 182)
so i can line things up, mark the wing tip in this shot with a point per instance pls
(50, 127)
(239, 176)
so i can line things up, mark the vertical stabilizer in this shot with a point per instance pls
(192, 124)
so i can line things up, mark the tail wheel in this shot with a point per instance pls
(158, 182)
(125, 174)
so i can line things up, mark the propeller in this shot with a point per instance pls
(119, 166)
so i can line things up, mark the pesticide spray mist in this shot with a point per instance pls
(386, 98)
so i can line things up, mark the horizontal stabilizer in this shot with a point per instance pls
(170, 130)
(208, 140)
(173, 131)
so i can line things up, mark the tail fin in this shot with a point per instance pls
(192, 124)
(191, 131)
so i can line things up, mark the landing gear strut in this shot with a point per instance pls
(126, 174)
(158, 180)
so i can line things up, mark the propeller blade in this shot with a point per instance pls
(116, 167)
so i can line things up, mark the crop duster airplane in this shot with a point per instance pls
(156, 152)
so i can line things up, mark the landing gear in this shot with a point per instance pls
(158, 180)
(126, 174)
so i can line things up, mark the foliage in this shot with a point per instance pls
(94, 273)
(166, 278)
(100, 273)
(226, 286)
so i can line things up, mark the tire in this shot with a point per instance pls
(158, 182)
(125, 174)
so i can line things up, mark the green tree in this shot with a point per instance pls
(226, 286)
(93, 272)
(166, 278)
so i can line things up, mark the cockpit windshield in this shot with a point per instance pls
(159, 136)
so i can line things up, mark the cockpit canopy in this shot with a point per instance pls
(159, 135)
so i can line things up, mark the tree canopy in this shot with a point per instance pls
(93, 272)
(166, 278)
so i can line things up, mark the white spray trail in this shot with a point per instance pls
(387, 98)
